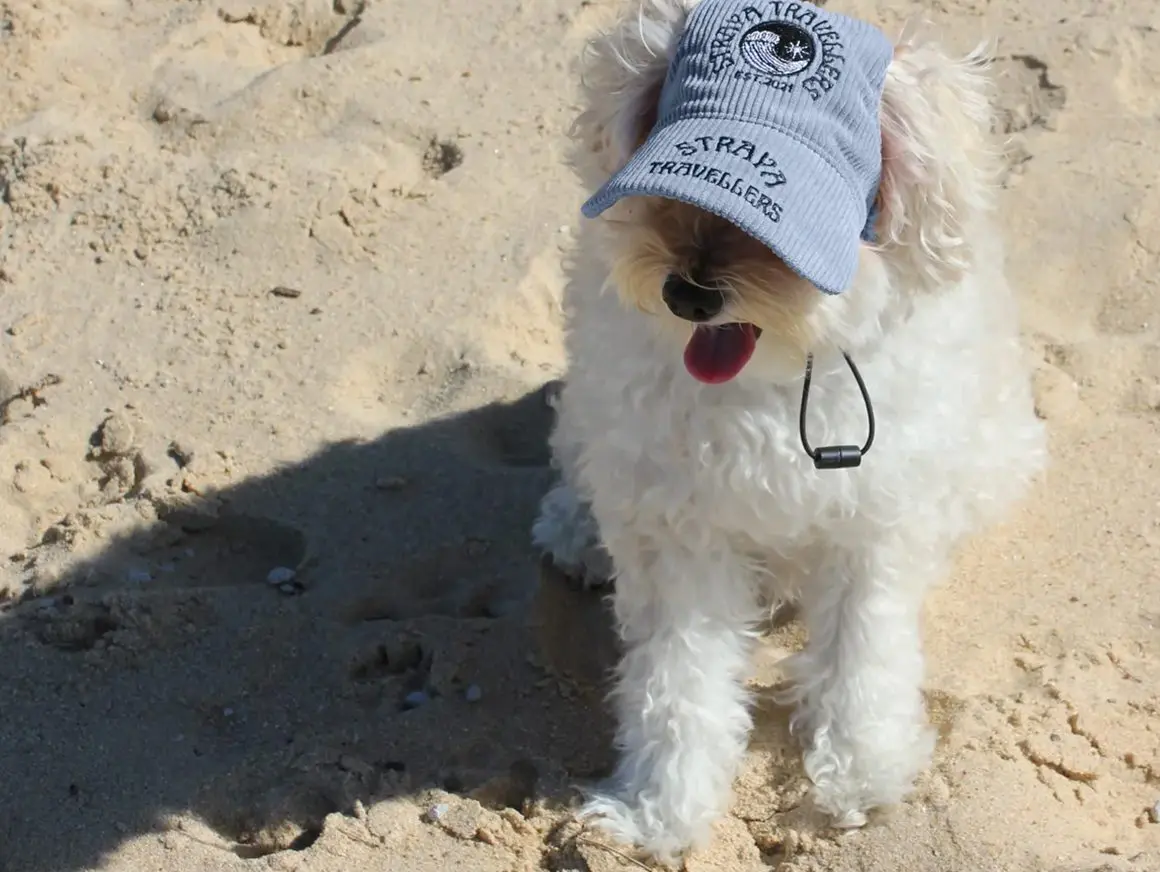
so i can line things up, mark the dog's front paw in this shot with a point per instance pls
(636, 823)
(566, 532)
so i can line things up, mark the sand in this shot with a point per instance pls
(279, 313)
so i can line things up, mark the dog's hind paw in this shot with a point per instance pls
(567, 533)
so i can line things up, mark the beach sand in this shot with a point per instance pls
(279, 315)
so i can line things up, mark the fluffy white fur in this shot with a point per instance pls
(702, 504)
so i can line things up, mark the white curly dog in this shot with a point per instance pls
(695, 494)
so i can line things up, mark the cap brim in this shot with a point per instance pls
(801, 208)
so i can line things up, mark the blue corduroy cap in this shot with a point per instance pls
(768, 117)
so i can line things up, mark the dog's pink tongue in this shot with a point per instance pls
(716, 354)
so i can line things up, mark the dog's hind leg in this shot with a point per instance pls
(566, 531)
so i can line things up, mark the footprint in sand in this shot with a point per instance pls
(1129, 304)
(468, 580)
(229, 550)
(312, 26)
(149, 585)
(1136, 46)
(1090, 763)
(521, 329)
(1028, 102)
(1095, 374)
(1030, 99)
(400, 381)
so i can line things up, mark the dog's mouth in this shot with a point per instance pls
(715, 355)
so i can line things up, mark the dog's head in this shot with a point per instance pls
(688, 266)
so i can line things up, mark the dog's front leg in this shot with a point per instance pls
(685, 618)
(858, 682)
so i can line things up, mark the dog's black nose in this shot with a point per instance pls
(686, 300)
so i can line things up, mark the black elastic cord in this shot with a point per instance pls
(836, 456)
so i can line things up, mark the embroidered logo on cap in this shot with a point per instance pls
(779, 46)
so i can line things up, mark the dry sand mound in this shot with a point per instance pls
(279, 299)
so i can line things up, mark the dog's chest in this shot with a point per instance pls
(730, 457)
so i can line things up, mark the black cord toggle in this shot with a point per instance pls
(836, 456)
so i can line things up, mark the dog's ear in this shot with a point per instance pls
(938, 168)
(622, 74)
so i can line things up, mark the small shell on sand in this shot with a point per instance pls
(280, 575)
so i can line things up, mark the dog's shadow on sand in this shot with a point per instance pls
(404, 641)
